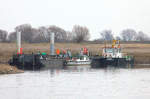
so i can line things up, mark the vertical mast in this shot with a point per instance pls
(18, 42)
(52, 47)
(105, 46)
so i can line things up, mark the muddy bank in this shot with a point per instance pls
(140, 51)
(142, 66)
(7, 69)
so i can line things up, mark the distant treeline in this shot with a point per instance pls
(78, 34)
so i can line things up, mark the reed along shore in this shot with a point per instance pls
(140, 51)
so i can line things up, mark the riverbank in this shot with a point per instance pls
(7, 69)
(140, 51)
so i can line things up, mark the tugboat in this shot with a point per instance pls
(112, 57)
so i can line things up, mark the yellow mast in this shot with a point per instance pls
(114, 43)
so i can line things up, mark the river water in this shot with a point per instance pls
(77, 83)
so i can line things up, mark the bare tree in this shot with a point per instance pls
(60, 34)
(80, 33)
(118, 38)
(107, 35)
(129, 35)
(3, 35)
(69, 36)
(26, 32)
(44, 34)
(141, 36)
(37, 36)
(40, 35)
(12, 36)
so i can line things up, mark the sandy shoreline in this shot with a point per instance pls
(7, 69)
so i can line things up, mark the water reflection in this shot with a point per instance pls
(76, 83)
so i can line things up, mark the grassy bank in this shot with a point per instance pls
(140, 51)
(7, 69)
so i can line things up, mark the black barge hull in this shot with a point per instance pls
(100, 62)
(36, 62)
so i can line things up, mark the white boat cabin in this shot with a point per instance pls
(114, 51)
(81, 60)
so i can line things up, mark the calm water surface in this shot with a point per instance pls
(77, 83)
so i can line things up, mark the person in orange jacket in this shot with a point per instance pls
(57, 52)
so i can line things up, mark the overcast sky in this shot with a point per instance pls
(97, 15)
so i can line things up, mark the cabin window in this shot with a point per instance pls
(81, 58)
(86, 58)
(109, 51)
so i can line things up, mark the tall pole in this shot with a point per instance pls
(18, 41)
(52, 47)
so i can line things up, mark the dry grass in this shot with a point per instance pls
(140, 51)
(7, 69)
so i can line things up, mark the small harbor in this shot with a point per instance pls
(111, 56)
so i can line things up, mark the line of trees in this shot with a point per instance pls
(125, 35)
(42, 34)
(78, 34)
(3, 35)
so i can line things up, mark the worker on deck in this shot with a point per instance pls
(85, 51)
(64, 53)
(81, 52)
(57, 52)
(69, 53)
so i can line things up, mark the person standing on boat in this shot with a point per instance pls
(69, 53)
(64, 53)
(57, 52)
(119, 47)
(85, 51)
(81, 52)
